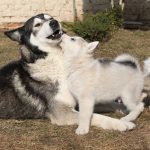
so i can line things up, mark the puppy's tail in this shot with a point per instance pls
(147, 67)
(128, 60)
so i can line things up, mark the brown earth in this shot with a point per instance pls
(42, 135)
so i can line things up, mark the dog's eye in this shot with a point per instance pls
(38, 25)
(72, 39)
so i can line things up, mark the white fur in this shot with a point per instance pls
(127, 57)
(92, 82)
(20, 89)
(51, 69)
(147, 67)
(47, 17)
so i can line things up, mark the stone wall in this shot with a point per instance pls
(21, 10)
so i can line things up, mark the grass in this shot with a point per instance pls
(42, 135)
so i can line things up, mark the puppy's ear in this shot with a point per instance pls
(15, 34)
(91, 46)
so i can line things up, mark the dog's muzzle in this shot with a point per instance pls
(56, 28)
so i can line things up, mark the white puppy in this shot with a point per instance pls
(100, 81)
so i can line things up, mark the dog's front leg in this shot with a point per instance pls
(86, 106)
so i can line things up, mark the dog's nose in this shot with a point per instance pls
(54, 24)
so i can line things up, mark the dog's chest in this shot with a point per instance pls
(48, 69)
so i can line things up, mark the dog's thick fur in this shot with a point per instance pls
(35, 86)
(146, 90)
(99, 81)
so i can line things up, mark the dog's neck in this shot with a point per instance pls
(49, 68)
(76, 63)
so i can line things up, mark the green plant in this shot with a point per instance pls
(97, 26)
(115, 14)
(93, 27)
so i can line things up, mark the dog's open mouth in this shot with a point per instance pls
(56, 35)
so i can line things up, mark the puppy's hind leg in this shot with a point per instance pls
(134, 113)
(133, 105)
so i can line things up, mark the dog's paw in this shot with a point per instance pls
(129, 125)
(82, 131)
(124, 126)
(118, 125)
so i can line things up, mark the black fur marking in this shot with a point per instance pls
(105, 61)
(146, 101)
(12, 105)
(128, 63)
(125, 63)
(32, 55)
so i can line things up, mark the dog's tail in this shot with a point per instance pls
(128, 60)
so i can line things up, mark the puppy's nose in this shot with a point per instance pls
(54, 24)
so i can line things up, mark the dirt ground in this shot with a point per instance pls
(42, 135)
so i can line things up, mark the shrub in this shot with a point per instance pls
(115, 15)
(98, 26)
(93, 27)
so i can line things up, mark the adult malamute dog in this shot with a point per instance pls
(94, 81)
(35, 86)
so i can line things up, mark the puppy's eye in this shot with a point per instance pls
(38, 25)
(72, 39)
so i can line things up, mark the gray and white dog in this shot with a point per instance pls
(94, 81)
(35, 86)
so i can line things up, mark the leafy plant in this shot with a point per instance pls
(97, 26)
(93, 27)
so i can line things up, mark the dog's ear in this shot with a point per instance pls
(91, 46)
(15, 34)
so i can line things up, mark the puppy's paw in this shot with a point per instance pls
(129, 125)
(119, 125)
(124, 126)
(82, 131)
